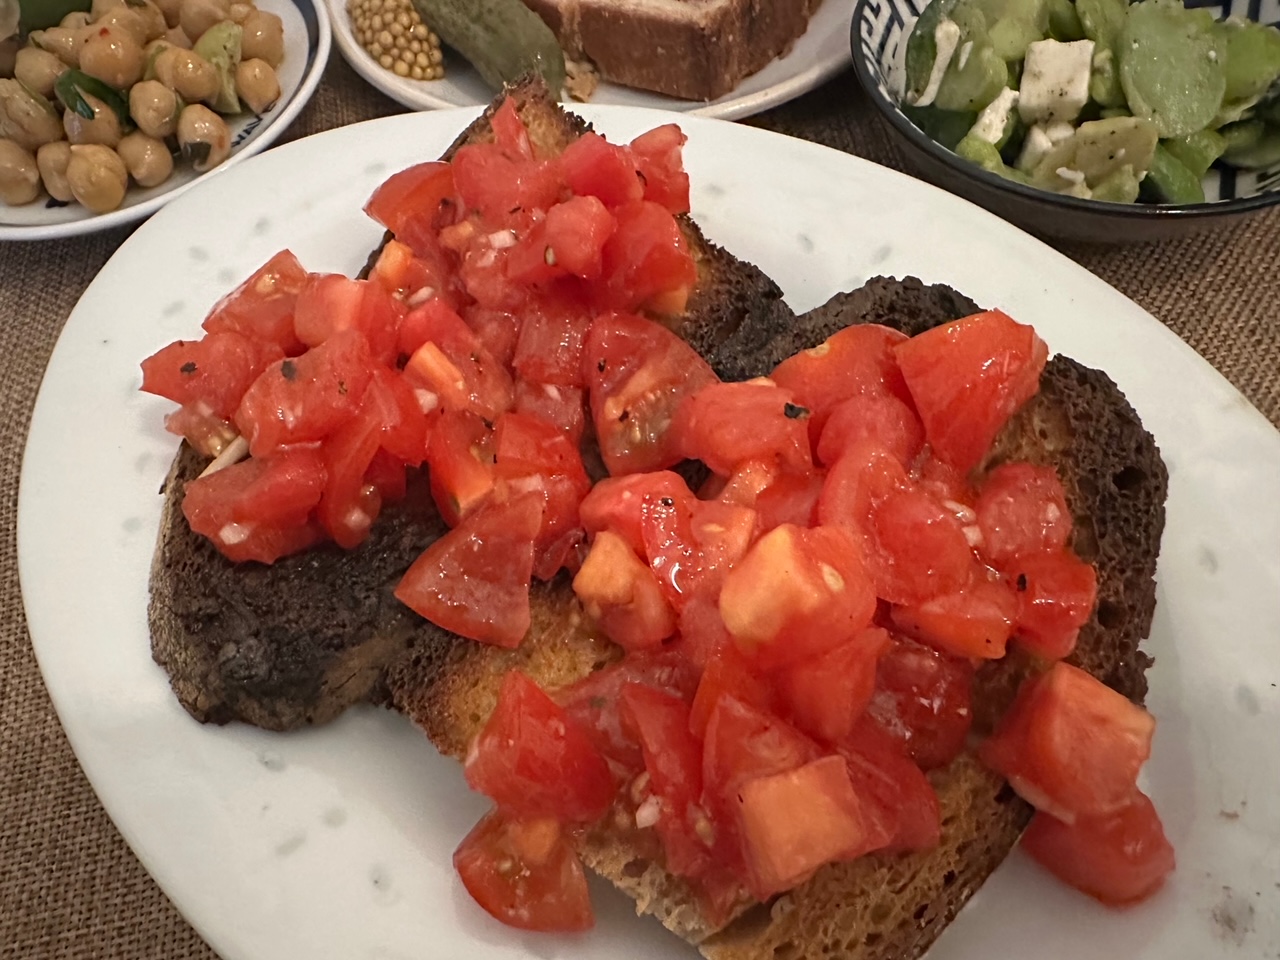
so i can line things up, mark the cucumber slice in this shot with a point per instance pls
(976, 83)
(1064, 21)
(1198, 150)
(1122, 186)
(1253, 58)
(1240, 137)
(947, 127)
(922, 47)
(1259, 150)
(1104, 81)
(1169, 181)
(1105, 146)
(985, 155)
(1014, 24)
(1103, 20)
(1172, 66)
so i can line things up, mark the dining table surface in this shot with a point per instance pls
(69, 885)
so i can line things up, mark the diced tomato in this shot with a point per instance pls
(533, 760)
(475, 579)
(406, 276)
(918, 550)
(386, 474)
(826, 695)
(725, 424)
(509, 131)
(727, 673)
(944, 482)
(1070, 745)
(1021, 509)
(569, 241)
(777, 495)
(406, 428)
(794, 822)
(494, 185)
(722, 534)
(647, 264)
(210, 374)
(306, 399)
(701, 630)
(923, 702)
(673, 760)
(1056, 594)
(638, 372)
(900, 808)
(863, 478)
(975, 621)
(1120, 858)
(497, 330)
(261, 308)
(666, 530)
(796, 594)
(595, 168)
(532, 455)
(329, 302)
(968, 378)
(562, 407)
(281, 490)
(593, 701)
(449, 360)
(615, 503)
(350, 504)
(525, 874)
(208, 433)
(880, 416)
(549, 349)
(620, 591)
(658, 159)
(415, 203)
(856, 360)
(460, 455)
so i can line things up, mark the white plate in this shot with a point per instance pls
(335, 843)
(820, 53)
(307, 39)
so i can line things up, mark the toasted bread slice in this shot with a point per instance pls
(296, 643)
(692, 50)
(878, 906)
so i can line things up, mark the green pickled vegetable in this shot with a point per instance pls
(503, 39)
(220, 45)
(1198, 150)
(1169, 181)
(1172, 66)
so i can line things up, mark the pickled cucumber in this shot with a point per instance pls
(1172, 66)
(503, 39)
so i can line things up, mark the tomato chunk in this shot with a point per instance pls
(646, 261)
(796, 594)
(918, 548)
(595, 168)
(975, 621)
(475, 579)
(1070, 745)
(622, 594)
(900, 808)
(1119, 858)
(727, 673)
(1056, 593)
(616, 503)
(923, 702)
(882, 417)
(415, 203)
(796, 821)
(827, 694)
(533, 760)
(1021, 510)
(525, 874)
(211, 373)
(460, 458)
(261, 308)
(968, 378)
(658, 159)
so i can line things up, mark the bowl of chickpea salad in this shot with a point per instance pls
(111, 108)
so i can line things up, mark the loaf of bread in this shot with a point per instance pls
(296, 642)
(692, 49)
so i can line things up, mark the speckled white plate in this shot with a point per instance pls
(820, 53)
(307, 39)
(335, 843)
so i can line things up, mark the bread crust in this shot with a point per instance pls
(691, 49)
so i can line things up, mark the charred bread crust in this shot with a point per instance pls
(694, 51)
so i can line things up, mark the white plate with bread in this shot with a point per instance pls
(819, 53)
(335, 842)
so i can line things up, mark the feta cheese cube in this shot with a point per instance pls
(994, 117)
(1035, 148)
(1055, 80)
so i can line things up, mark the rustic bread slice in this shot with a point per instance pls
(298, 642)
(692, 49)
(877, 907)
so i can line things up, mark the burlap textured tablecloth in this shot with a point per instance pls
(69, 887)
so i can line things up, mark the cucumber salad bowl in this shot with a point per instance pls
(1095, 120)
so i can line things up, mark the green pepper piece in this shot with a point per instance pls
(73, 84)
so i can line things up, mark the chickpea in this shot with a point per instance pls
(62, 42)
(38, 69)
(26, 119)
(171, 9)
(97, 177)
(176, 38)
(239, 11)
(189, 74)
(263, 38)
(99, 8)
(19, 175)
(113, 55)
(257, 84)
(104, 128)
(203, 136)
(197, 16)
(154, 108)
(52, 159)
(147, 159)
(76, 20)
(130, 20)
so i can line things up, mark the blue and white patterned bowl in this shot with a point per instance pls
(878, 40)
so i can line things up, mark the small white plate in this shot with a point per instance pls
(335, 843)
(819, 54)
(307, 38)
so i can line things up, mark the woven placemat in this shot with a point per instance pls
(69, 886)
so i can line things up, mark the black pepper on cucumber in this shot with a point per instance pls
(1099, 99)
